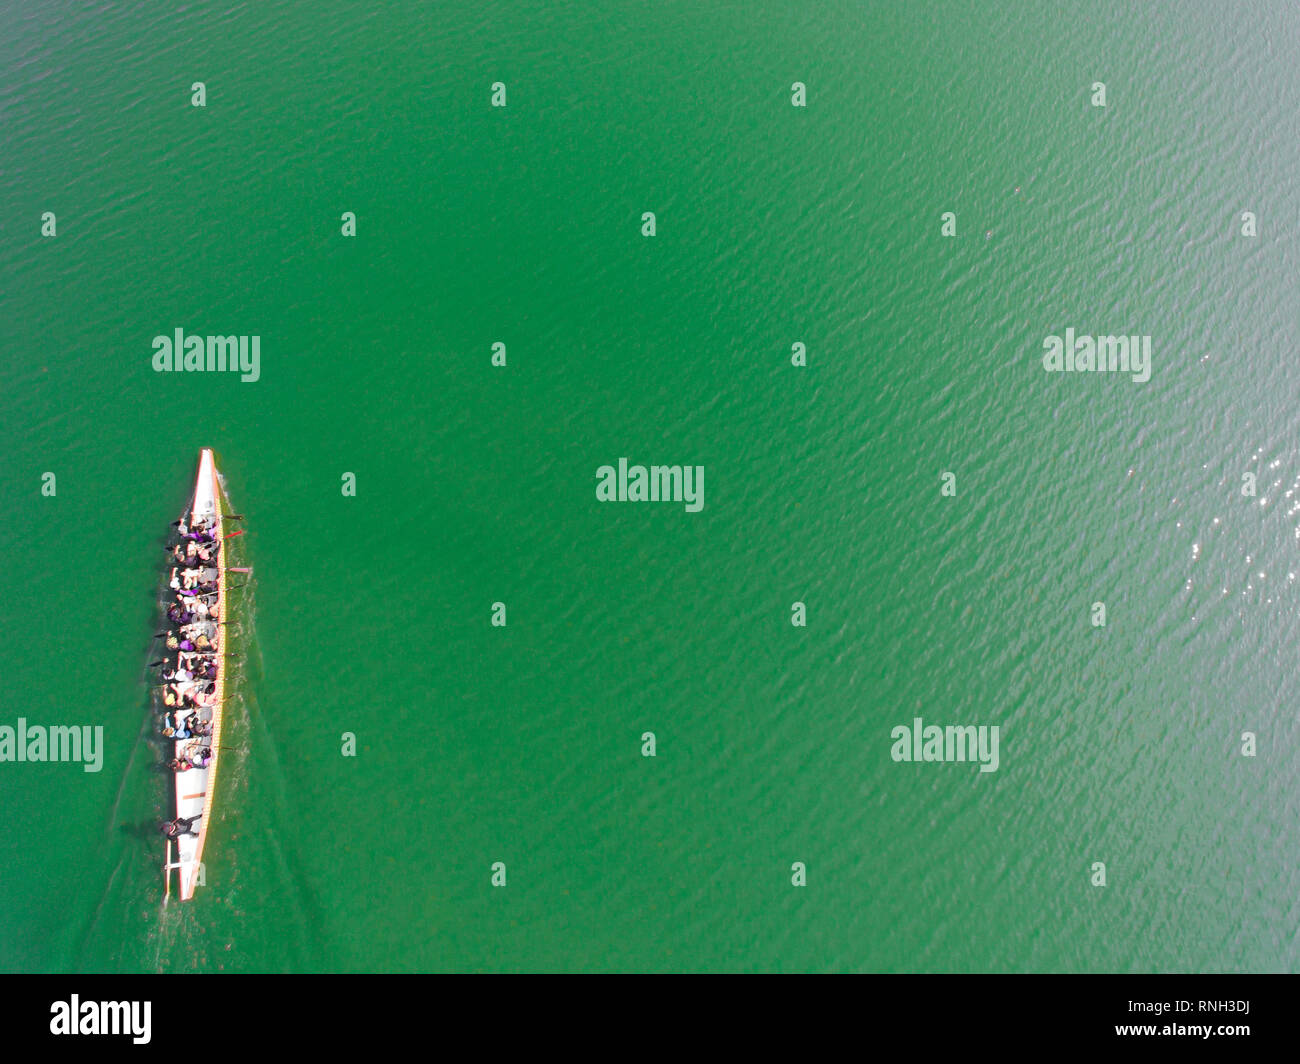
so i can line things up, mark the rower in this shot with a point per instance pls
(182, 825)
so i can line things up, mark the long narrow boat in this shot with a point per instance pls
(196, 786)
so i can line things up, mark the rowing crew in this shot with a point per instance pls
(200, 531)
(185, 726)
(193, 634)
(191, 552)
(188, 581)
(191, 611)
(188, 667)
(194, 757)
(188, 675)
(182, 695)
(191, 637)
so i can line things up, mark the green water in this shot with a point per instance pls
(371, 614)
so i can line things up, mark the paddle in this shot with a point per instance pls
(232, 535)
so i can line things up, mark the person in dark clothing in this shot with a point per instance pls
(182, 825)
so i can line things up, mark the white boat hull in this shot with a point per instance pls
(194, 789)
